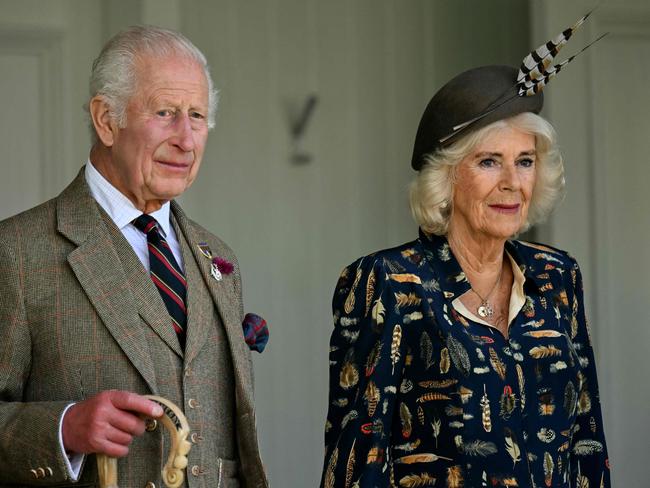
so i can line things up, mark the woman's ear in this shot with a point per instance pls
(103, 122)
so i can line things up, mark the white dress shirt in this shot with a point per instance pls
(122, 212)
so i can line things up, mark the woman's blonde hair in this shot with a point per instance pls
(431, 192)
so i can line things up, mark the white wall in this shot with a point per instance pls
(373, 65)
(599, 106)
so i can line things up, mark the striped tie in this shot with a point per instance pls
(165, 273)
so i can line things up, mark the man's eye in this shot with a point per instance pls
(197, 115)
(526, 163)
(164, 113)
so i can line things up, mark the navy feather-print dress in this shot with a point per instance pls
(420, 396)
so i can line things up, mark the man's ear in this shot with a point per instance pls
(104, 124)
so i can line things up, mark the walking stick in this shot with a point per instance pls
(172, 473)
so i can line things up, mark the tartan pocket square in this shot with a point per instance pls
(256, 332)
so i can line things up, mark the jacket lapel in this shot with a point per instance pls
(105, 283)
(222, 293)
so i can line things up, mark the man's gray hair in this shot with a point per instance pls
(114, 72)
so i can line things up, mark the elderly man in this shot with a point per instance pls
(109, 292)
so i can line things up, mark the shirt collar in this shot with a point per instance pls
(119, 208)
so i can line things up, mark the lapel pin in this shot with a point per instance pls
(205, 249)
(220, 267)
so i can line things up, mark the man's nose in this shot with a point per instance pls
(184, 135)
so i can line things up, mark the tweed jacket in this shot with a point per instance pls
(421, 396)
(78, 315)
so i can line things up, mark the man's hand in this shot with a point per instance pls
(107, 423)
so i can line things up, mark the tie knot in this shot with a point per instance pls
(145, 223)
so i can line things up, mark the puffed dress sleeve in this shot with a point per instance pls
(589, 461)
(366, 362)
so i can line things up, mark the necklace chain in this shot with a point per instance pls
(485, 310)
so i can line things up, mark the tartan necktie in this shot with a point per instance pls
(166, 274)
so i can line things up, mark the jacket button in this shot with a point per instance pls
(192, 403)
(40, 473)
(150, 425)
(195, 470)
(195, 438)
(48, 471)
(33, 471)
(150, 484)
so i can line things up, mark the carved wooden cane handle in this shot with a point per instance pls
(172, 473)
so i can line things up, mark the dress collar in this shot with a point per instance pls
(451, 277)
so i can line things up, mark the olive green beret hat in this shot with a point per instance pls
(490, 90)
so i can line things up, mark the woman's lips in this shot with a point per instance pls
(506, 208)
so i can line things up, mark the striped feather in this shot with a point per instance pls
(498, 365)
(479, 448)
(458, 355)
(349, 302)
(455, 477)
(586, 447)
(485, 411)
(570, 401)
(370, 290)
(522, 386)
(424, 457)
(430, 397)
(406, 419)
(394, 346)
(539, 352)
(426, 350)
(378, 311)
(408, 446)
(404, 300)
(438, 383)
(329, 480)
(349, 468)
(417, 480)
(373, 358)
(537, 334)
(535, 64)
(405, 278)
(548, 469)
(444, 360)
(371, 396)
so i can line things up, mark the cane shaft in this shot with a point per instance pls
(107, 471)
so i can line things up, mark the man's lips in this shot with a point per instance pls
(175, 164)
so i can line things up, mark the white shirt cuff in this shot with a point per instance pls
(72, 462)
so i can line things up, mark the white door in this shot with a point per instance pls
(46, 49)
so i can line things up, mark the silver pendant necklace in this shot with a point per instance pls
(485, 309)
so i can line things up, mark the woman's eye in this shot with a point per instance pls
(487, 163)
(526, 163)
